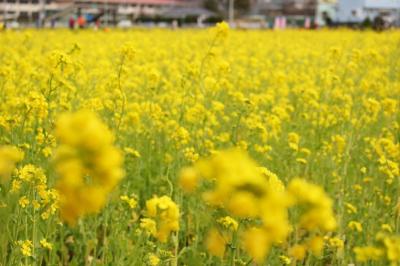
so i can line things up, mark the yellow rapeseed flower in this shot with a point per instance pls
(26, 247)
(166, 213)
(85, 150)
(45, 244)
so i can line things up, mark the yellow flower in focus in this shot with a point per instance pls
(31, 173)
(166, 213)
(132, 202)
(229, 223)
(153, 260)
(190, 154)
(26, 247)
(23, 201)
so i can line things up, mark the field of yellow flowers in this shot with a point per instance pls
(199, 147)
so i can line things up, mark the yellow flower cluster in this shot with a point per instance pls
(26, 247)
(88, 164)
(318, 214)
(239, 185)
(32, 178)
(162, 217)
(229, 223)
(388, 250)
(222, 29)
(132, 202)
(45, 244)
(248, 191)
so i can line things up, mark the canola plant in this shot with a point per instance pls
(199, 147)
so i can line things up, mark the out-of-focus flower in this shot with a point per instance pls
(87, 163)
(9, 156)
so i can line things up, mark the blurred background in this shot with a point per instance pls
(273, 14)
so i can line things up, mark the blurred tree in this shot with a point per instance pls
(242, 6)
(221, 6)
(212, 5)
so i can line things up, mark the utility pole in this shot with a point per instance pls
(30, 13)
(106, 13)
(4, 12)
(231, 12)
(42, 13)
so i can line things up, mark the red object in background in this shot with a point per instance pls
(71, 23)
(81, 22)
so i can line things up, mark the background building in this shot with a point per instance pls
(45, 12)
(296, 13)
(357, 11)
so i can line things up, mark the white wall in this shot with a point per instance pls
(346, 9)
(364, 9)
(329, 9)
(383, 4)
